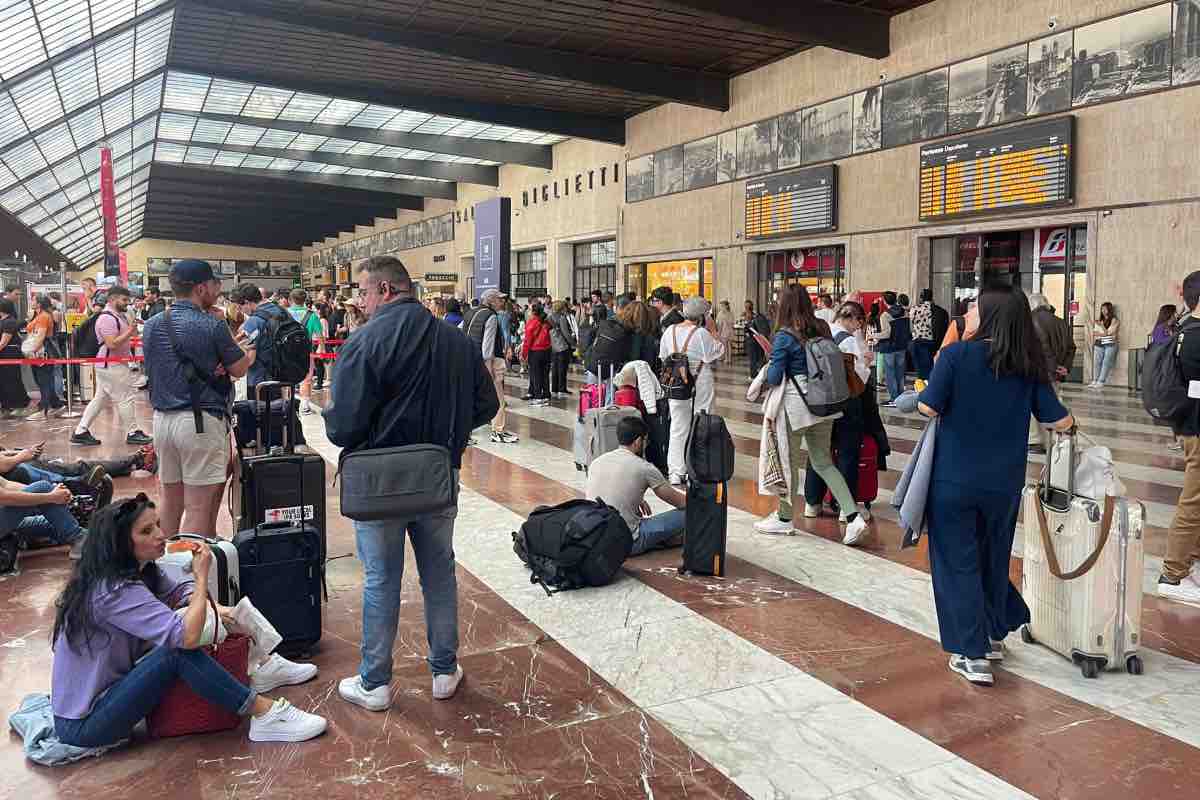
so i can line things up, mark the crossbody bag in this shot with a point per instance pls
(400, 482)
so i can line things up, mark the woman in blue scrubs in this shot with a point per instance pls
(984, 391)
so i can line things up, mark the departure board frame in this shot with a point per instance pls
(812, 195)
(1035, 159)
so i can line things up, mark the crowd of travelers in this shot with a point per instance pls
(412, 372)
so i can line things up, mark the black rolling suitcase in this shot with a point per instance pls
(277, 483)
(282, 566)
(704, 532)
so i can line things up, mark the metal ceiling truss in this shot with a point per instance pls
(854, 29)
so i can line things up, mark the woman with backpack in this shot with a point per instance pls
(688, 350)
(797, 327)
(562, 342)
(536, 352)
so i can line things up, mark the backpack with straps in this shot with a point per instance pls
(676, 377)
(574, 544)
(1164, 387)
(84, 342)
(828, 390)
(853, 382)
(610, 346)
(289, 345)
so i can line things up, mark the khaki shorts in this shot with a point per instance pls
(184, 456)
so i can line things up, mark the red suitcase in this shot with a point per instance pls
(866, 490)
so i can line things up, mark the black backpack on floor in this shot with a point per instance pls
(709, 452)
(574, 544)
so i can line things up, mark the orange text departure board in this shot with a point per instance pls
(804, 201)
(1018, 167)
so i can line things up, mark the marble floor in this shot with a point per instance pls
(811, 671)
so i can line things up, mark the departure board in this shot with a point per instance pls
(1018, 167)
(803, 201)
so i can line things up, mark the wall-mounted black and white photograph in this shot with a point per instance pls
(915, 108)
(726, 156)
(447, 228)
(362, 247)
(639, 178)
(700, 163)
(1187, 42)
(1122, 56)
(668, 170)
(989, 90)
(756, 147)
(391, 240)
(866, 106)
(789, 133)
(1050, 73)
(828, 130)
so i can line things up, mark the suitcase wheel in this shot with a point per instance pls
(1090, 667)
(1133, 665)
(1027, 635)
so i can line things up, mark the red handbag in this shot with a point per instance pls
(182, 712)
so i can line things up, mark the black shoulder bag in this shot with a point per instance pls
(400, 482)
(196, 378)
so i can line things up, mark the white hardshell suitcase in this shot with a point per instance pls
(600, 428)
(1094, 615)
(224, 576)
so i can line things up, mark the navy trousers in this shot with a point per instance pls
(970, 544)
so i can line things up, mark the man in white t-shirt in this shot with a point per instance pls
(621, 478)
(697, 335)
(825, 309)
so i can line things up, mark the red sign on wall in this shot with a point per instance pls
(108, 211)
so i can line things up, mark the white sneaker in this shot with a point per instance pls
(277, 671)
(996, 651)
(773, 525)
(976, 670)
(1186, 591)
(444, 686)
(862, 511)
(855, 531)
(286, 723)
(504, 437)
(811, 512)
(352, 691)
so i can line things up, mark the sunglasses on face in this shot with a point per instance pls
(130, 505)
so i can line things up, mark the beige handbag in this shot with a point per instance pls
(774, 478)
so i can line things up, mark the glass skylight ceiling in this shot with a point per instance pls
(53, 116)
(77, 73)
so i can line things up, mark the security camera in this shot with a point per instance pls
(882, 77)
(1052, 23)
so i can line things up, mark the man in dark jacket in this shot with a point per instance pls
(405, 378)
(1059, 347)
(755, 322)
(894, 337)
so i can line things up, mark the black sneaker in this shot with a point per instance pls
(84, 439)
(138, 437)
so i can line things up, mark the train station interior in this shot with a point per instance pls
(742, 153)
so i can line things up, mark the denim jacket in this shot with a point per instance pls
(787, 359)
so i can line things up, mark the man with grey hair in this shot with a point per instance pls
(1059, 346)
(696, 335)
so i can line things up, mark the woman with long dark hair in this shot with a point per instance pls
(117, 605)
(1163, 326)
(983, 391)
(796, 324)
(42, 325)
(535, 349)
(1105, 330)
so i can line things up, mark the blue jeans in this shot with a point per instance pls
(131, 698)
(922, 355)
(50, 521)
(893, 370)
(1105, 356)
(27, 473)
(381, 550)
(653, 531)
(44, 377)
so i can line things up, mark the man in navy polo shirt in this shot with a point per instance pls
(191, 416)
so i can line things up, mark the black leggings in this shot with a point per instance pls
(558, 377)
(539, 374)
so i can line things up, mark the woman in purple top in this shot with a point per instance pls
(1163, 327)
(119, 644)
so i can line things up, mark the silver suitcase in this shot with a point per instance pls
(224, 575)
(1092, 614)
(600, 428)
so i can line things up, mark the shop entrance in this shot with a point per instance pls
(689, 277)
(819, 269)
(1034, 259)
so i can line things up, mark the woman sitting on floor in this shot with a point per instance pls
(117, 607)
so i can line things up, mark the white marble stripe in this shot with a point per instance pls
(1162, 699)
(773, 729)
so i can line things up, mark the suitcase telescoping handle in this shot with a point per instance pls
(263, 393)
(1106, 517)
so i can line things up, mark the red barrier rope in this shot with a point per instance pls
(42, 362)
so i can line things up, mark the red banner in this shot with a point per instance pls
(108, 209)
(124, 259)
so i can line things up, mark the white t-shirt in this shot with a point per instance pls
(621, 479)
(854, 347)
(704, 348)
